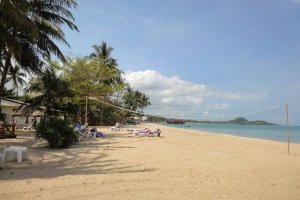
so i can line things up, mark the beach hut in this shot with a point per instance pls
(14, 112)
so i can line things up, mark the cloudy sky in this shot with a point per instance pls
(200, 58)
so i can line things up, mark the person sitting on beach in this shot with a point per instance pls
(78, 128)
(97, 133)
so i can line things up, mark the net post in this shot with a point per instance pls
(86, 103)
(85, 131)
(287, 126)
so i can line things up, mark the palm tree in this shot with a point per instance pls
(128, 98)
(17, 77)
(132, 99)
(49, 89)
(103, 55)
(28, 31)
(145, 101)
(103, 51)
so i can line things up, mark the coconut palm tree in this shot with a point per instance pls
(128, 98)
(29, 30)
(49, 90)
(145, 101)
(132, 99)
(103, 55)
(17, 77)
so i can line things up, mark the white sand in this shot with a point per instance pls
(178, 165)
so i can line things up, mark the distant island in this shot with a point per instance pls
(175, 121)
(240, 120)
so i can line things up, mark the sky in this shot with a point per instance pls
(200, 58)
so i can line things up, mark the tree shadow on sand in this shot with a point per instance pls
(78, 159)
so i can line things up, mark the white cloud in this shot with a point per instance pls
(171, 91)
(222, 106)
(174, 95)
(239, 96)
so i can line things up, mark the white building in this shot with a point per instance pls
(13, 110)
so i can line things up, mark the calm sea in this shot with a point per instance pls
(274, 132)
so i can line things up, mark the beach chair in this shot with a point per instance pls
(137, 132)
(14, 152)
(82, 131)
(152, 133)
(28, 127)
(116, 127)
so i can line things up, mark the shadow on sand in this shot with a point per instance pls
(43, 162)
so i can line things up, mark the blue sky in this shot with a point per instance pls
(200, 59)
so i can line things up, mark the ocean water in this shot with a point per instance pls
(269, 132)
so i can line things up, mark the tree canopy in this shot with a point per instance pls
(28, 32)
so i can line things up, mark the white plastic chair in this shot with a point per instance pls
(28, 127)
(18, 150)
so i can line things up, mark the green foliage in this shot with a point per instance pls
(51, 90)
(29, 31)
(95, 76)
(135, 99)
(57, 132)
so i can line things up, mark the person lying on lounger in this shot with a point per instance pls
(98, 133)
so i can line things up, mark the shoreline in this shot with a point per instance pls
(294, 138)
(178, 165)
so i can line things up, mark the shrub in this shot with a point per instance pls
(57, 132)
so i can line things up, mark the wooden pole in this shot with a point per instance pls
(287, 127)
(85, 120)
(86, 104)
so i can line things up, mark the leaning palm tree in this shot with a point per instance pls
(29, 30)
(16, 75)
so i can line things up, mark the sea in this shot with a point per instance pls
(268, 132)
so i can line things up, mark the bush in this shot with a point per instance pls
(57, 132)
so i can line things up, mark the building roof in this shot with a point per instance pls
(10, 103)
(20, 106)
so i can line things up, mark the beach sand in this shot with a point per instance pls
(181, 164)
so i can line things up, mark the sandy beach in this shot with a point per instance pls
(181, 164)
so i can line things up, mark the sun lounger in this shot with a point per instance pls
(114, 128)
(153, 133)
(28, 127)
(145, 132)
